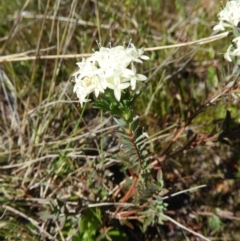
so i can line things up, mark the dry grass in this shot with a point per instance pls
(56, 159)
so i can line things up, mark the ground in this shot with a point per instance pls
(61, 163)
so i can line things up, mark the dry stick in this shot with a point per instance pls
(29, 15)
(183, 227)
(123, 204)
(59, 230)
(199, 42)
(32, 221)
(71, 56)
(210, 214)
(127, 195)
(26, 58)
(184, 191)
(25, 54)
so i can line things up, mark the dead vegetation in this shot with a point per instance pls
(62, 173)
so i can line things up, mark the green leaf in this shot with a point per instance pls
(226, 122)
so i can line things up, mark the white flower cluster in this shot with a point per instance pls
(233, 49)
(230, 18)
(111, 68)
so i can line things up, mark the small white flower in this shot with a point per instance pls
(117, 84)
(230, 16)
(233, 49)
(236, 42)
(136, 54)
(108, 68)
(136, 77)
(227, 55)
(89, 77)
(81, 94)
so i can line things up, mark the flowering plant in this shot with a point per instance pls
(109, 73)
(230, 18)
(109, 68)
